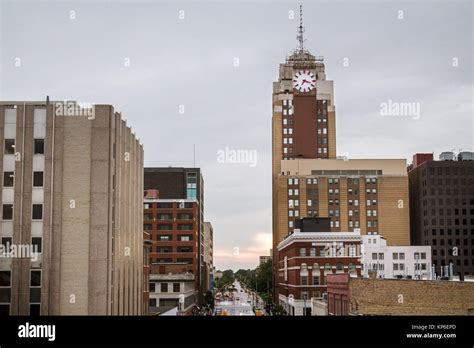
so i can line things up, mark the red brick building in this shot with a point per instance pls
(307, 257)
(174, 230)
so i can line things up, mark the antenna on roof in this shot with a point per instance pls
(299, 37)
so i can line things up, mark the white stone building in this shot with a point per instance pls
(412, 261)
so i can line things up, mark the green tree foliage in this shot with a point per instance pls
(226, 279)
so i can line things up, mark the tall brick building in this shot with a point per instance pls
(442, 209)
(308, 180)
(175, 218)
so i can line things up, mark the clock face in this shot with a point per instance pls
(304, 81)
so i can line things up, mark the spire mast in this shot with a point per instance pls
(299, 37)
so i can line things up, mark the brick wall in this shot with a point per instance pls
(410, 297)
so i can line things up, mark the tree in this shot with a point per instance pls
(226, 279)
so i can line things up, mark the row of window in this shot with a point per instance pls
(399, 256)
(455, 201)
(449, 182)
(449, 222)
(179, 249)
(448, 191)
(6, 276)
(9, 179)
(164, 260)
(314, 181)
(457, 242)
(168, 205)
(448, 170)
(169, 227)
(325, 252)
(449, 232)
(164, 287)
(449, 211)
(9, 147)
(36, 242)
(169, 238)
(36, 211)
(167, 216)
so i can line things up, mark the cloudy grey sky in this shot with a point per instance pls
(79, 50)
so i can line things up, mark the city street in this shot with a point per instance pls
(237, 302)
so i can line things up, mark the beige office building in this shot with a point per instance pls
(72, 188)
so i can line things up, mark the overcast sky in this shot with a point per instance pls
(142, 58)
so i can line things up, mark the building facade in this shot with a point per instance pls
(174, 229)
(72, 179)
(442, 209)
(374, 296)
(264, 259)
(411, 262)
(182, 184)
(307, 257)
(208, 255)
(309, 180)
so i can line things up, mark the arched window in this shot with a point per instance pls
(352, 268)
(327, 268)
(339, 267)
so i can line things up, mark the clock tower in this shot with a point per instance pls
(303, 124)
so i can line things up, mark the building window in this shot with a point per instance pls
(38, 179)
(8, 179)
(381, 256)
(39, 146)
(374, 255)
(176, 287)
(37, 213)
(9, 146)
(312, 252)
(37, 243)
(302, 251)
(7, 212)
(35, 309)
(164, 287)
(5, 278)
(7, 243)
(339, 268)
(164, 227)
(304, 280)
(35, 278)
(191, 184)
(316, 280)
(185, 227)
